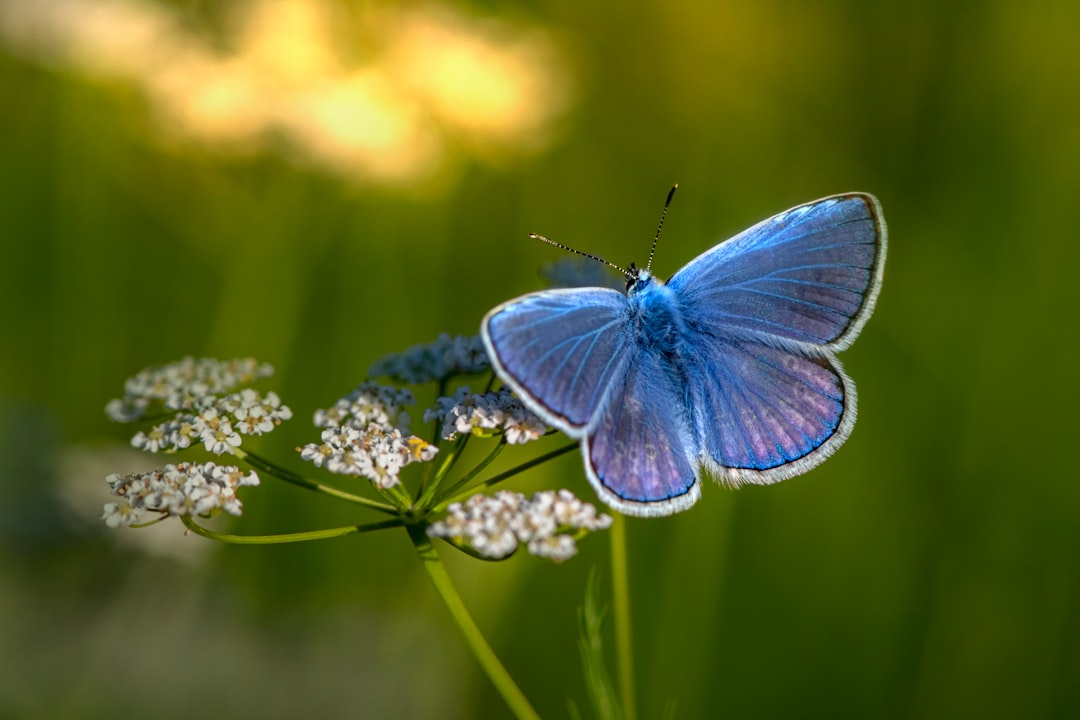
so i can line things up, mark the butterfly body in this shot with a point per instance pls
(728, 367)
(654, 311)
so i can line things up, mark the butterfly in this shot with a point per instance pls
(729, 367)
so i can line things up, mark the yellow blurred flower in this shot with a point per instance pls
(382, 95)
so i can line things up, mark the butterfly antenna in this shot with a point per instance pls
(671, 194)
(597, 258)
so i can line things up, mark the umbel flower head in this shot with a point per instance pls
(548, 524)
(197, 392)
(378, 452)
(193, 388)
(366, 434)
(181, 489)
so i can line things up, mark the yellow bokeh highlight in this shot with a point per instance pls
(378, 95)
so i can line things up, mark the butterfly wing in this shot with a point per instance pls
(765, 312)
(641, 452)
(560, 350)
(808, 276)
(765, 414)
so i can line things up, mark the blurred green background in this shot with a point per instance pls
(318, 183)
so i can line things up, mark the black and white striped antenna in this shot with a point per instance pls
(632, 273)
(597, 258)
(663, 215)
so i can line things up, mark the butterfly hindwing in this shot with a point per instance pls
(640, 452)
(806, 276)
(560, 350)
(763, 413)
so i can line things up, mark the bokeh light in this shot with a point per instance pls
(376, 94)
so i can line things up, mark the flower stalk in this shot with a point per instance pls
(483, 653)
(624, 638)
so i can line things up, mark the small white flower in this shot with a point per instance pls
(152, 441)
(555, 547)
(255, 414)
(217, 433)
(122, 513)
(438, 360)
(495, 540)
(485, 415)
(548, 524)
(181, 489)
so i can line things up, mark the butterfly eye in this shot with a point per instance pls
(632, 274)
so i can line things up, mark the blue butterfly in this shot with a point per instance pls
(729, 367)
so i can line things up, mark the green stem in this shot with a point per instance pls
(446, 460)
(290, 477)
(194, 527)
(505, 475)
(467, 477)
(624, 638)
(431, 484)
(498, 675)
(396, 494)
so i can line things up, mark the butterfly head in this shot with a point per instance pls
(637, 279)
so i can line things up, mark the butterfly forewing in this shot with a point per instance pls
(809, 275)
(560, 349)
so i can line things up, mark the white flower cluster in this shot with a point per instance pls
(485, 415)
(377, 452)
(370, 402)
(216, 422)
(445, 357)
(181, 489)
(548, 524)
(179, 385)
